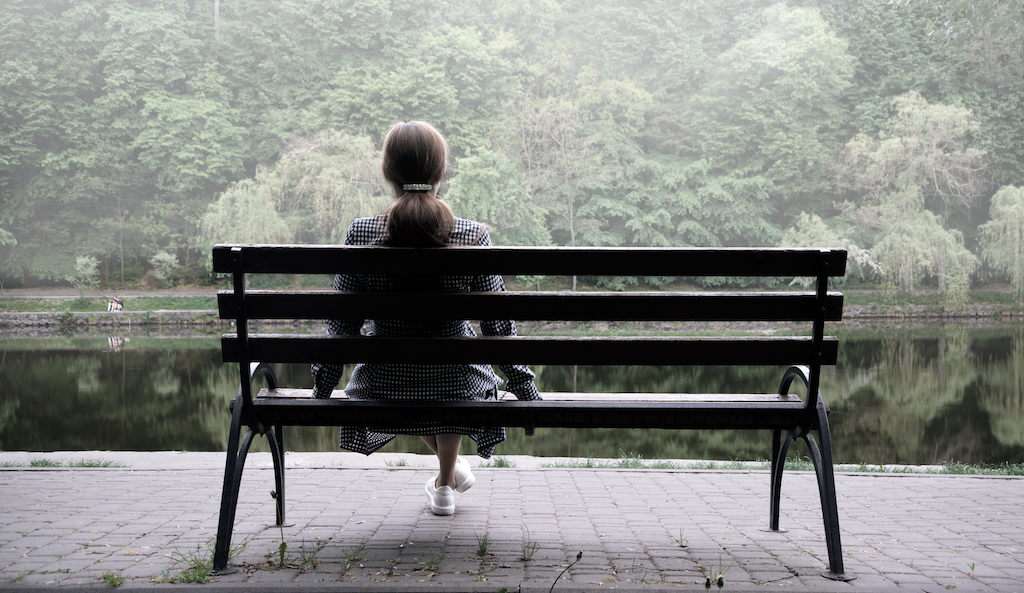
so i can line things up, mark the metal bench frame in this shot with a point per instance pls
(788, 416)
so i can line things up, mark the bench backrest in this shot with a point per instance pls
(815, 306)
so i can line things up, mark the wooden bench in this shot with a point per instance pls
(789, 417)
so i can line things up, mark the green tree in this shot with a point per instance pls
(327, 179)
(772, 105)
(809, 230)
(918, 244)
(164, 265)
(1002, 237)
(320, 183)
(921, 162)
(489, 189)
(246, 213)
(86, 274)
(988, 35)
(557, 151)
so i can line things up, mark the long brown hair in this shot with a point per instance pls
(416, 153)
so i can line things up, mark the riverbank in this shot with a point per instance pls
(184, 322)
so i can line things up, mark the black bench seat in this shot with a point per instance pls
(788, 415)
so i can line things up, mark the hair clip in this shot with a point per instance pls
(417, 187)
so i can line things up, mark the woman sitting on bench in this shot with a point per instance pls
(415, 160)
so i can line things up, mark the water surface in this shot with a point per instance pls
(918, 395)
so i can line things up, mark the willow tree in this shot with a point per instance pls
(319, 184)
(908, 177)
(1002, 237)
(327, 179)
(246, 213)
(809, 230)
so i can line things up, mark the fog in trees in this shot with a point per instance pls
(138, 134)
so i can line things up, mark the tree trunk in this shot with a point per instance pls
(120, 233)
(942, 272)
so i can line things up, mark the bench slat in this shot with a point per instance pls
(289, 394)
(577, 414)
(589, 261)
(563, 306)
(755, 350)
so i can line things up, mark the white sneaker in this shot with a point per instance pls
(464, 478)
(442, 500)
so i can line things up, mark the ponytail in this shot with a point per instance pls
(417, 219)
(416, 154)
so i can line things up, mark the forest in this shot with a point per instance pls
(136, 134)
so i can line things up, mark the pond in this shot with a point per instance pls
(898, 395)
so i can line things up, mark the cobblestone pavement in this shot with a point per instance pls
(363, 527)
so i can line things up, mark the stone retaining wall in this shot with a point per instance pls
(104, 319)
(851, 314)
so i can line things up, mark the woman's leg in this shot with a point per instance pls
(448, 454)
(431, 442)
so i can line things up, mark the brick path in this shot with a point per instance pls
(66, 527)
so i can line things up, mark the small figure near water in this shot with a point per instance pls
(115, 304)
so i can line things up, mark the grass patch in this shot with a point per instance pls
(112, 579)
(433, 563)
(482, 543)
(885, 298)
(307, 556)
(528, 547)
(352, 556)
(636, 461)
(198, 564)
(864, 298)
(99, 304)
(172, 303)
(981, 469)
(499, 461)
(65, 463)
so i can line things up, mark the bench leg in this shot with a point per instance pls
(822, 460)
(780, 447)
(232, 483)
(275, 438)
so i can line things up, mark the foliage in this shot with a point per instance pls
(987, 34)
(130, 129)
(320, 184)
(922, 159)
(246, 213)
(489, 189)
(920, 162)
(918, 245)
(86, 275)
(326, 180)
(112, 579)
(163, 265)
(1002, 236)
(811, 231)
(772, 103)
(352, 556)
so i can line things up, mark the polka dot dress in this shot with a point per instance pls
(447, 382)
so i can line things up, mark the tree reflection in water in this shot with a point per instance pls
(915, 396)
